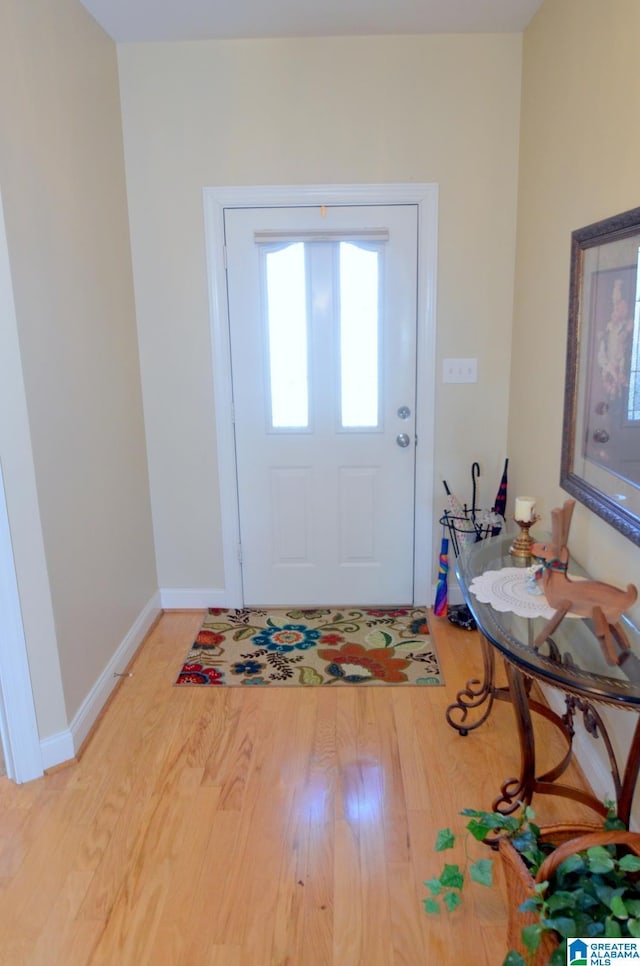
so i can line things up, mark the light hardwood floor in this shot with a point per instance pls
(254, 827)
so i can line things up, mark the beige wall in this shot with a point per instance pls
(62, 183)
(16, 457)
(442, 109)
(579, 150)
(439, 109)
(578, 154)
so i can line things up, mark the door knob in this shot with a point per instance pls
(402, 440)
(404, 412)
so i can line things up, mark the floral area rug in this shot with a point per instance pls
(354, 646)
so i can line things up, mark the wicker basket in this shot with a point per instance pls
(520, 884)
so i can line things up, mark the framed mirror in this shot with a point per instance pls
(600, 462)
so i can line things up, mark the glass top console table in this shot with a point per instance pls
(571, 660)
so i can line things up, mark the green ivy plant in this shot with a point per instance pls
(592, 893)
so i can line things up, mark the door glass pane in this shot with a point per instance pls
(359, 339)
(287, 337)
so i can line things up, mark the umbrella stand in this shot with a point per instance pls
(465, 527)
(462, 529)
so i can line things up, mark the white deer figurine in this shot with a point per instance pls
(602, 602)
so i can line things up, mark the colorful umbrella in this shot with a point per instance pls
(475, 475)
(501, 497)
(440, 604)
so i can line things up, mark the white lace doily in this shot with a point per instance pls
(507, 590)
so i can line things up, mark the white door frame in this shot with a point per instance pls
(425, 196)
(18, 725)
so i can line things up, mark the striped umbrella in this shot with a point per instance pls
(440, 604)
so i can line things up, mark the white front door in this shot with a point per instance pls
(322, 313)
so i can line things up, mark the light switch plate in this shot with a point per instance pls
(460, 370)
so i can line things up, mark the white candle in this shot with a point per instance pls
(525, 510)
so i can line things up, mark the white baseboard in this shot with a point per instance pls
(589, 753)
(57, 749)
(63, 746)
(198, 598)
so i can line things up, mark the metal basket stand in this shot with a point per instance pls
(472, 527)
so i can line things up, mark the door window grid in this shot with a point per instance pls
(287, 325)
(359, 337)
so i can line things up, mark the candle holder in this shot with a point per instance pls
(521, 546)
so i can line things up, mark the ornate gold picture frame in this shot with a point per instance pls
(600, 461)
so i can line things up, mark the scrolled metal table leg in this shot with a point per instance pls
(515, 791)
(476, 695)
(519, 790)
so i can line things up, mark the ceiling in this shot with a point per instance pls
(165, 20)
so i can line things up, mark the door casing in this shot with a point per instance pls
(425, 197)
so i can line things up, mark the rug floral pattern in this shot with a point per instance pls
(312, 647)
